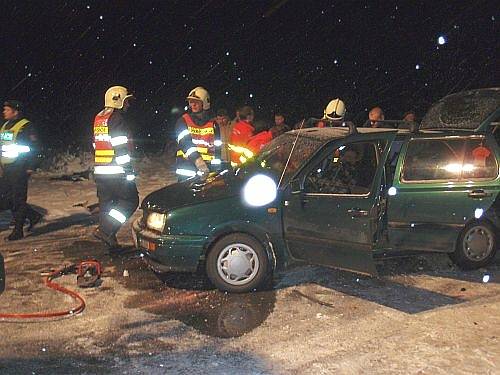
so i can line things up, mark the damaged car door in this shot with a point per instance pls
(332, 209)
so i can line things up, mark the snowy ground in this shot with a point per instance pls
(423, 316)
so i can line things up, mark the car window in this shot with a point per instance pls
(479, 161)
(448, 160)
(348, 169)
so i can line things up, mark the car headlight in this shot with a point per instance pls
(260, 190)
(156, 221)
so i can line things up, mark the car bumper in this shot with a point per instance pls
(169, 253)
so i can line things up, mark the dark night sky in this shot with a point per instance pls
(59, 57)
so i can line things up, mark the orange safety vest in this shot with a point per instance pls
(203, 137)
(104, 152)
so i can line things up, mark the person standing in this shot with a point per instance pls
(333, 115)
(225, 129)
(19, 145)
(279, 122)
(242, 131)
(198, 139)
(113, 171)
(375, 116)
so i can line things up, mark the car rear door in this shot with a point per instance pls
(443, 183)
(332, 210)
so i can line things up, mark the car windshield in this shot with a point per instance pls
(274, 155)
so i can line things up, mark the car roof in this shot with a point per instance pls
(326, 134)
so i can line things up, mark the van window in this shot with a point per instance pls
(451, 159)
(349, 169)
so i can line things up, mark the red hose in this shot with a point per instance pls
(52, 314)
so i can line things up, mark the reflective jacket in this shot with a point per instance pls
(197, 136)
(259, 140)
(111, 144)
(241, 134)
(18, 144)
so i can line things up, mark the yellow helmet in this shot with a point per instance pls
(199, 93)
(335, 110)
(115, 97)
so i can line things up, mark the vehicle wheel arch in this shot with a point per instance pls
(468, 225)
(483, 220)
(260, 236)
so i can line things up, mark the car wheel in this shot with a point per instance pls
(238, 263)
(476, 246)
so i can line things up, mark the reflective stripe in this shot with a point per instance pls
(190, 151)
(104, 152)
(241, 150)
(185, 172)
(108, 169)
(13, 150)
(217, 143)
(206, 157)
(16, 148)
(215, 161)
(130, 177)
(182, 135)
(120, 140)
(102, 137)
(123, 159)
(117, 215)
(103, 159)
(200, 142)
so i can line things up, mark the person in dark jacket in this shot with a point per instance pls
(113, 171)
(19, 147)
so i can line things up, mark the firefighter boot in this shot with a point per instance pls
(16, 234)
(34, 218)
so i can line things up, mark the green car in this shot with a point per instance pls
(340, 197)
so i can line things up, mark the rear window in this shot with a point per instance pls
(451, 159)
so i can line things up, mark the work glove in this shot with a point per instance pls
(202, 168)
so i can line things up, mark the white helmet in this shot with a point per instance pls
(199, 93)
(115, 97)
(335, 110)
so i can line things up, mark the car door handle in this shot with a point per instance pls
(479, 193)
(356, 212)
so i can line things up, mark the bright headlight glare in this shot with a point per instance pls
(156, 221)
(260, 190)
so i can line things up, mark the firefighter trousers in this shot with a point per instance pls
(118, 199)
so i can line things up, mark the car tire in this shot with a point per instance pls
(476, 246)
(238, 263)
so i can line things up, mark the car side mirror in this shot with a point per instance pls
(295, 187)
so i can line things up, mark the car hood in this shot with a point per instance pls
(194, 191)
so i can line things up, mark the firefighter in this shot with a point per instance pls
(333, 115)
(113, 171)
(198, 138)
(242, 131)
(19, 144)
